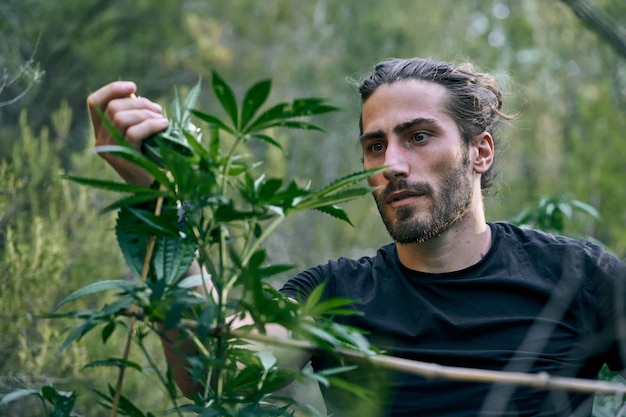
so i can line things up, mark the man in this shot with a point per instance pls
(452, 289)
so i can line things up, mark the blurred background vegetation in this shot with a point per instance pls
(568, 143)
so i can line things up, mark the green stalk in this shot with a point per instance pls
(221, 345)
(257, 243)
(159, 375)
(229, 159)
(266, 233)
(133, 320)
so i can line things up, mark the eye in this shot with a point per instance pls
(419, 137)
(376, 147)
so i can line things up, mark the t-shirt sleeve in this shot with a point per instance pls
(606, 284)
(300, 286)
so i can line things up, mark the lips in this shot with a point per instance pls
(401, 195)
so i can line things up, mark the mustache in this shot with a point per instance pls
(404, 185)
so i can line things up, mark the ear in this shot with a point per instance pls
(482, 152)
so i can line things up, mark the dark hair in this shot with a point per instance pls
(474, 98)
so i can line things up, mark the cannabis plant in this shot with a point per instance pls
(211, 203)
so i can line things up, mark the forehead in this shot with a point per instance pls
(404, 100)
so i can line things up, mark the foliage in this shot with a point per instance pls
(62, 403)
(553, 214)
(211, 201)
(51, 239)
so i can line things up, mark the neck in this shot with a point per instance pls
(460, 247)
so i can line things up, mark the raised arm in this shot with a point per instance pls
(137, 118)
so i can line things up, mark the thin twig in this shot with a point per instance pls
(427, 370)
(133, 320)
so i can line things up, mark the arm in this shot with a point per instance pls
(137, 118)
(177, 347)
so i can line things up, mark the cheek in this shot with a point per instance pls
(376, 180)
(448, 162)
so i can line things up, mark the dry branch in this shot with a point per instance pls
(435, 371)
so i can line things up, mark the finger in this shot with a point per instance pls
(144, 129)
(131, 103)
(124, 119)
(115, 90)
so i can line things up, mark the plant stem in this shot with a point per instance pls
(120, 376)
(435, 371)
(266, 233)
(133, 321)
(228, 164)
(250, 251)
(170, 392)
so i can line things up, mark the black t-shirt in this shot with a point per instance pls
(534, 303)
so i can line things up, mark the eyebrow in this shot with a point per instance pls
(399, 128)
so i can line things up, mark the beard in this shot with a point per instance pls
(449, 206)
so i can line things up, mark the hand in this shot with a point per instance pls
(137, 118)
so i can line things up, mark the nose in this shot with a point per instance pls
(397, 165)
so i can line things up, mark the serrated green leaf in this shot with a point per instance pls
(173, 315)
(82, 329)
(133, 245)
(586, 208)
(134, 200)
(214, 120)
(257, 259)
(108, 330)
(290, 124)
(129, 408)
(119, 305)
(172, 258)
(266, 189)
(318, 200)
(156, 145)
(190, 102)
(321, 336)
(62, 402)
(157, 225)
(313, 299)
(273, 269)
(566, 209)
(95, 288)
(334, 305)
(349, 180)
(253, 100)
(226, 97)
(267, 139)
(336, 212)
(120, 187)
(134, 156)
(297, 108)
(197, 148)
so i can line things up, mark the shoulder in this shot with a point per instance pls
(336, 273)
(542, 247)
(530, 238)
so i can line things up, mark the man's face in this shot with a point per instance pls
(427, 186)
